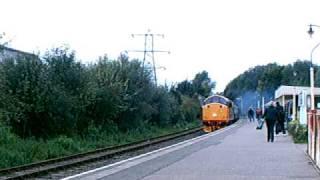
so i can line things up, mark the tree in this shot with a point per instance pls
(22, 94)
(266, 79)
(3, 42)
(57, 95)
(185, 87)
(202, 84)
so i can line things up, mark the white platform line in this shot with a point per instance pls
(127, 163)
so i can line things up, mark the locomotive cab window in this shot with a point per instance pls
(216, 99)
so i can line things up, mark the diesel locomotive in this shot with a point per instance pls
(218, 111)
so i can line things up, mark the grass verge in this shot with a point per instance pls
(15, 151)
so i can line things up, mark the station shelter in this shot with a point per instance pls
(296, 101)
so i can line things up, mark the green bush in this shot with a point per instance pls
(298, 131)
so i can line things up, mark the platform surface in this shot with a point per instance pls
(240, 153)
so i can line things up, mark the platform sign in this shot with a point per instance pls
(303, 107)
(302, 98)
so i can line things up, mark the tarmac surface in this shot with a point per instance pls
(241, 152)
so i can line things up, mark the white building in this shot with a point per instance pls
(6, 52)
(296, 100)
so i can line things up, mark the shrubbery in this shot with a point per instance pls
(298, 131)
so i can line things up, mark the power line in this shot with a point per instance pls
(149, 49)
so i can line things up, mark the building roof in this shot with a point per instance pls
(6, 52)
(291, 90)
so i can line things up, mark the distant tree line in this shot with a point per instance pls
(57, 95)
(265, 79)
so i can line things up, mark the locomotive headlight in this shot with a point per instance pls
(214, 114)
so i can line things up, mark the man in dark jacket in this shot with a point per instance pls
(270, 116)
(280, 120)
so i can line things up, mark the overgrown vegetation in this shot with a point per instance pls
(298, 131)
(55, 105)
(17, 151)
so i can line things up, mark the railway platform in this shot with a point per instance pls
(235, 152)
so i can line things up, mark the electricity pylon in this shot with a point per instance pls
(149, 50)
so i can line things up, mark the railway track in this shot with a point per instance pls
(42, 168)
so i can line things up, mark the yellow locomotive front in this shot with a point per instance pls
(216, 112)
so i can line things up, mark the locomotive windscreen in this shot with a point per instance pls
(216, 99)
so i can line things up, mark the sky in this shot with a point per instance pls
(225, 38)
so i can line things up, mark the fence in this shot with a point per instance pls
(314, 136)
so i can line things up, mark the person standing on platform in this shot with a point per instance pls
(259, 116)
(280, 120)
(251, 115)
(270, 116)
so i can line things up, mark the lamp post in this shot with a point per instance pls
(310, 32)
(294, 96)
(313, 132)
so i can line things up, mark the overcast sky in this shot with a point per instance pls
(224, 38)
